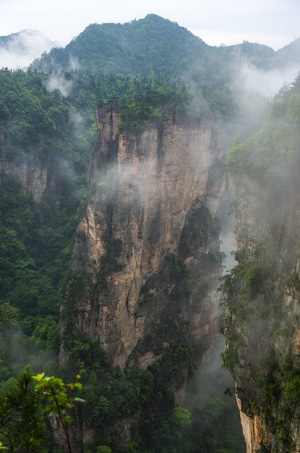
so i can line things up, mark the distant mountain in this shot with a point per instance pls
(18, 50)
(265, 57)
(289, 53)
(154, 44)
(141, 46)
(257, 54)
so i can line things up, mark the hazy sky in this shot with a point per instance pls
(271, 22)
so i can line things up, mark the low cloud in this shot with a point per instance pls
(18, 50)
(58, 82)
(253, 80)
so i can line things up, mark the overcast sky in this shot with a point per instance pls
(271, 22)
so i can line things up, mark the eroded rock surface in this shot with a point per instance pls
(148, 204)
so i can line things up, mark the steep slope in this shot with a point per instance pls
(262, 291)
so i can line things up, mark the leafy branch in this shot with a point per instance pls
(60, 399)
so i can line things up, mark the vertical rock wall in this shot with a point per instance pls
(143, 188)
(32, 174)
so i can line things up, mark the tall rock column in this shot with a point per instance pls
(147, 215)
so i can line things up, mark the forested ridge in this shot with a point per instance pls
(48, 117)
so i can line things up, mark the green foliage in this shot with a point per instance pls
(22, 427)
(272, 152)
(59, 399)
(32, 119)
(56, 127)
(109, 261)
(182, 416)
(176, 272)
(216, 424)
(293, 107)
(149, 100)
(237, 157)
(22, 408)
(246, 287)
(257, 323)
(293, 281)
(161, 432)
(35, 252)
(113, 394)
(263, 449)
(291, 380)
(230, 357)
(130, 447)
(103, 449)
(200, 229)
(58, 395)
(147, 45)
(9, 315)
(143, 68)
(123, 56)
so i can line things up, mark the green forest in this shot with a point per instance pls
(48, 118)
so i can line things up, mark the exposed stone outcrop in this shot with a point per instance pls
(38, 172)
(254, 431)
(33, 177)
(144, 186)
(32, 173)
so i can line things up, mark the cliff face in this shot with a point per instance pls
(262, 312)
(148, 241)
(34, 177)
(254, 431)
(261, 293)
(32, 173)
